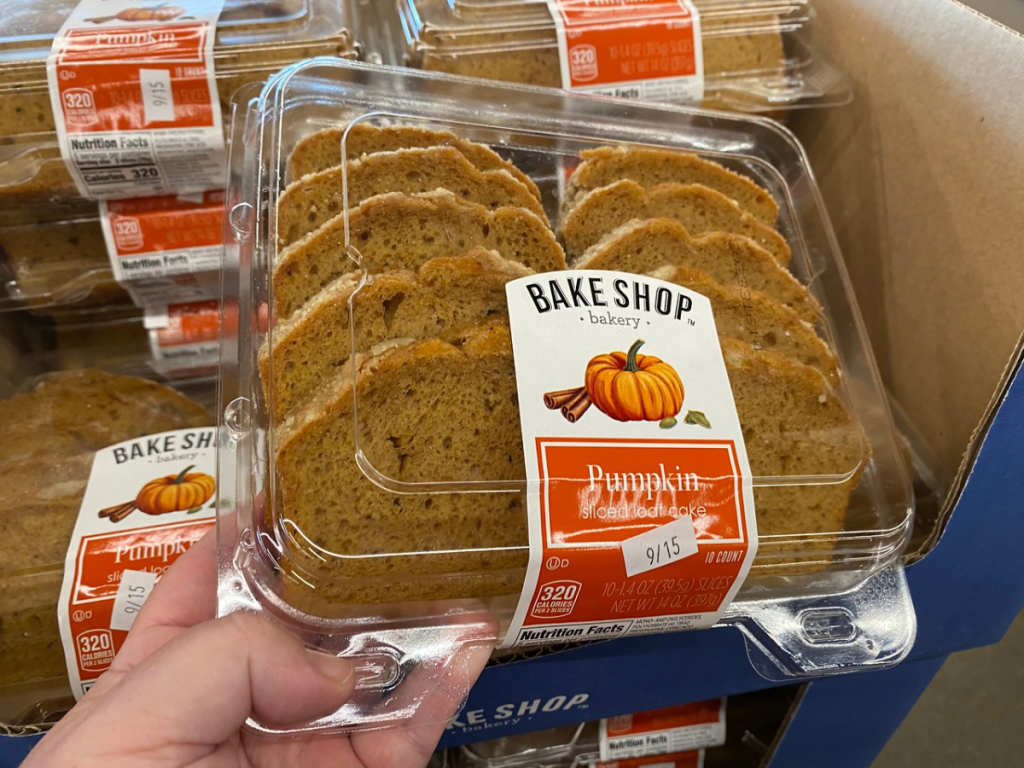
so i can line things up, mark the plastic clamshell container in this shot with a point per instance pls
(758, 54)
(45, 479)
(254, 40)
(814, 602)
(55, 256)
(54, 259)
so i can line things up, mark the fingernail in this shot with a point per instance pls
(336, 669)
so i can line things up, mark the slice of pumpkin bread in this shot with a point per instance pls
(699, 209)
(651, 167)
(314, 199)
(756, 319)
(398, 231)
(446, 294)
(428, 411)
(322, 150)
(644, 246)
(435, 412)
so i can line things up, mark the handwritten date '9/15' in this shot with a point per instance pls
(664, 551)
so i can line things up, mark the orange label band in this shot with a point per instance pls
(184, 338)
(135, 100)
(641, 49)
(166, 249)
(641, 519)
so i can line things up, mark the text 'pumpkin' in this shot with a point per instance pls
(628, 386)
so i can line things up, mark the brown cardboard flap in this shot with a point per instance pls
(923, 176)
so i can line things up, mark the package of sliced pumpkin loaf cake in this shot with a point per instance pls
(108, 470)
(115, 98)
(754, 56)
(519, 368)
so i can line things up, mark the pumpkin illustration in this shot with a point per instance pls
(628, 386)
(172, 493)
(175, 493)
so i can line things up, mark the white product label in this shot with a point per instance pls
(639, 500)
(147, 501)
(683, 728)
(639, 49)
(165, 249)
(134, 97)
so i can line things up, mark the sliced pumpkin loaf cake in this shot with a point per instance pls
(651, 167)
(444, 295)
(752, 317)
(699, 209)
(644, 246)
(322, 150)
(399, 231)
(314, 199)
(433, 411)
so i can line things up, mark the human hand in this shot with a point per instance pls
(183, 684)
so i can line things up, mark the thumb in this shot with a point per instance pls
(196, 692)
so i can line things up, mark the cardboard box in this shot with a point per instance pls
(923, 177)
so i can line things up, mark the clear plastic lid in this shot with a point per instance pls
(840, 466)
(54, 258)
(65, 392)
(373, 417)
(758, 54)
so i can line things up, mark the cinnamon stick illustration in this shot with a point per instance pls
(119, 512)
(560, 397)
(574, 409)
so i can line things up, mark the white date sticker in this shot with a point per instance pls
(660, 546)
(135, 589)
(157, 96)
